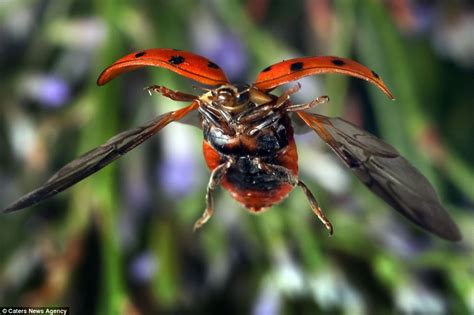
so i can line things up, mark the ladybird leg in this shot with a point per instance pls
(299, 107)
(267, 121)
(285, 175)
(174, 95)
(201, 88)
(315, 207)
(209, 116)
(214, 181)
(253, 113)
(286, 95)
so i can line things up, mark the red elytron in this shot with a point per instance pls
(248, 139)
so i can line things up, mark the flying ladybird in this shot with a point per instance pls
(248, 139)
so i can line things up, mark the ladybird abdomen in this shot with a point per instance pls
(250, 179)
(250, 186)
(257, 189)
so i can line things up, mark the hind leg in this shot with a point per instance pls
(285, 175)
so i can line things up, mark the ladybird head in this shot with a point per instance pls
(231, 97)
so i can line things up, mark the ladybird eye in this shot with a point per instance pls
(243, 94)
(243, 97)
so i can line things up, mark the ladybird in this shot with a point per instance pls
(249, 143)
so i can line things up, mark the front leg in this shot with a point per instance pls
(174, 95)
(286, 95)
(300, 107)
(216, 177)
(285, 175)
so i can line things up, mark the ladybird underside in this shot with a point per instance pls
(390, 176)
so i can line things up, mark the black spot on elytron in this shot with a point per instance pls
(296, 66)
(267, 69)
(212, 65)
(140, 54)
(338, 62)
(176, 60)
(375, 74)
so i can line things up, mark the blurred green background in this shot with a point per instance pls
(121, 242)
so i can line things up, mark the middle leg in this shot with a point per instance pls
(214, 181)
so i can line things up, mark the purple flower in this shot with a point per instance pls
(221, 46)
(425, 17)
(268, 302)
(143, 267)
(47, 89)
(137, 191)
(230, 54)
(177, 175)
(395, 235)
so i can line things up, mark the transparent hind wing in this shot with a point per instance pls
(94, 160)
(381, 168)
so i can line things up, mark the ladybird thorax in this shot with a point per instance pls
(241, 120)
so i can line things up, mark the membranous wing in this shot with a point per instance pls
(97, 158)
(381, 168)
